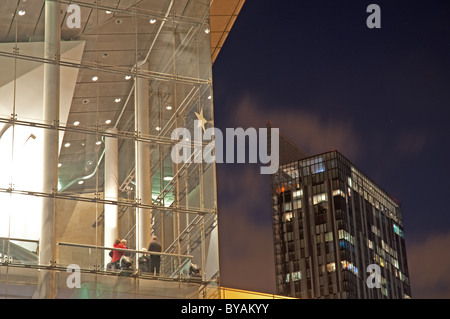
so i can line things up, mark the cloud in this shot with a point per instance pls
(313, 132)
(411, 143)
(429, 267)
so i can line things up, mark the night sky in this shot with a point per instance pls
(379, 96)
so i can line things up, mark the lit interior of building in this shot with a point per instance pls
(90, 93)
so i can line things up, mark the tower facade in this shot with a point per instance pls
(336, 233)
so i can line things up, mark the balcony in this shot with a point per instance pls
(20, 269)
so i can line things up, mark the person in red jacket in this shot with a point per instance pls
(117, 254)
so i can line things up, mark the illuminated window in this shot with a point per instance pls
(375, 230)
(288, 206)
(395, 263)
(331, 267)
(298, 193)
(287, 217)
(319, 198)
(349, 266)
(317, 168)
(345, 235)
(296, 276)
(398, 231)
(338, 192)
(288, 278)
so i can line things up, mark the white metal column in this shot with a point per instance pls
(51, 94)
(111, 191)
(143, 182)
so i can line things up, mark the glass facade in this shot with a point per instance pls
(90, 93)
(331, 223)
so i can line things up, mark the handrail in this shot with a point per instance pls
(124, 250)
(185, 231)
(21, 239)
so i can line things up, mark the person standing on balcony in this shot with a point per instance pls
(155, 259)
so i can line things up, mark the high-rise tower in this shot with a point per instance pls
(336, 233)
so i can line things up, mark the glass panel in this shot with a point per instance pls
(107, 103)
(18, 251)
(126, 261)
(6, 150)
(77, 217)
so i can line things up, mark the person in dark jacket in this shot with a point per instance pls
(155, 260)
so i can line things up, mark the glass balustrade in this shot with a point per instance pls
(143, 264)
(16, 251)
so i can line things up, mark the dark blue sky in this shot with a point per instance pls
(380, 96)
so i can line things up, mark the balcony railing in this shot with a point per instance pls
(18, 251)
(92, 258)
(95, 259)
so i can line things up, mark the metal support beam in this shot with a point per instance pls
(47, 245)
(111, 191)
(143, 174)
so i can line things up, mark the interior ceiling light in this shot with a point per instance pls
(209, 97)
(168, 178)
(22, 12)
(95, 78)
(152, 21)
(108, 121)
(158, 128)
(169, 107)
(118, 100)
(108, 12)
(76, 123)
(59, 164)
(207, 30)
(80, 182)
(127, 77)
(67, 145)
(98, 142)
